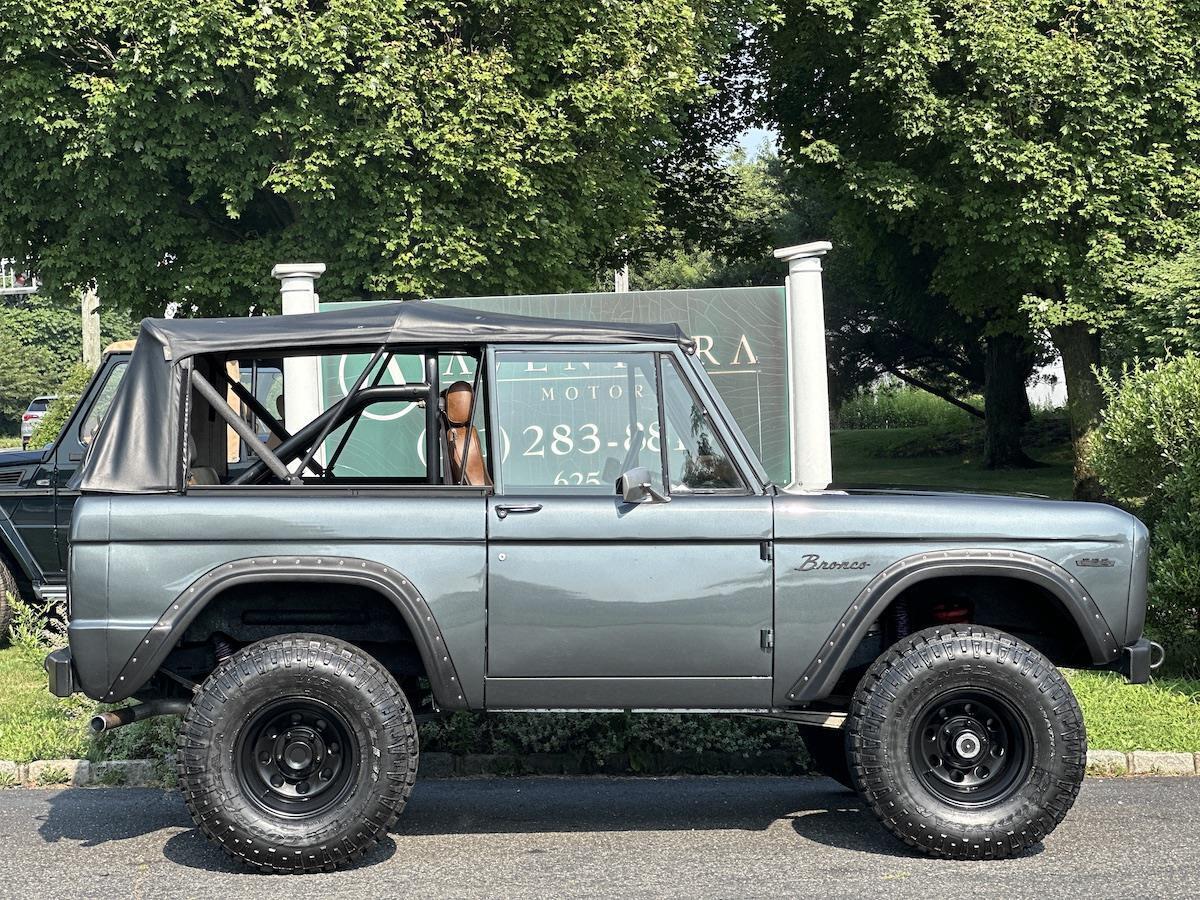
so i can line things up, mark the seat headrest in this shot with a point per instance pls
(458, 403)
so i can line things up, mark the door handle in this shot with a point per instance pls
(503, 511)
(76, 456)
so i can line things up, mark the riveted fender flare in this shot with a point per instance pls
(824, 671)
(157, 643)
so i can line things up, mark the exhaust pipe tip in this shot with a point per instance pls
(105, 722)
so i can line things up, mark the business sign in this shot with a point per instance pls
(740, 339)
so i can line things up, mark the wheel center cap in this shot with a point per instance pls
(298, 755)
(967, 745)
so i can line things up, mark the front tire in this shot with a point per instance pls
(297, 754)
(966, 743)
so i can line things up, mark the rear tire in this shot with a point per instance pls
(8, 585)
(297, 754)
(966, 743)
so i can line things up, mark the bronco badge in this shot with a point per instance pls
(812, 561)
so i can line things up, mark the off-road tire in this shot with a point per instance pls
(917, 681)
(827, 749)
(379, 728)
(8, 585)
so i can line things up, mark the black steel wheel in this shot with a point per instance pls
(297, 753)
(296, 757)
(966, 743)
(970, 747)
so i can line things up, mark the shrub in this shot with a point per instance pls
(898, 406)
(59, 411)
(35, 629)
(1146, 455)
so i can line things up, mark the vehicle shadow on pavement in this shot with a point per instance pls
(817, 809)
(129, 813)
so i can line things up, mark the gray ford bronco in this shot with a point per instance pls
(509, 513)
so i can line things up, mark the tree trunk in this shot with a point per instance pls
(1007, 367)
(1080, 349)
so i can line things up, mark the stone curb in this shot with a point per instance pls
(144, 772)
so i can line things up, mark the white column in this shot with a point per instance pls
(89, 311)
(808, 400)
(301, 374)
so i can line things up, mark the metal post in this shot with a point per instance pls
(301, 375)
(808, 377)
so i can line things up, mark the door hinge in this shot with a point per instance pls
(765, 551)
(766, 638)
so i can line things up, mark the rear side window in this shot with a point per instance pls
(103, 401)
(39, 405)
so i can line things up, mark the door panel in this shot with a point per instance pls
(592, 587)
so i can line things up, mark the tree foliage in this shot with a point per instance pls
(1038, 149)
(174, 151)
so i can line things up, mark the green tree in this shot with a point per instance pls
(25, 373)
(1037, 148)
(174, 151)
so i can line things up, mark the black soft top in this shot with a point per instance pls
(137, 449)
(408, 322)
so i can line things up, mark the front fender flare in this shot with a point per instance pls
(157, 643)
(823, 672)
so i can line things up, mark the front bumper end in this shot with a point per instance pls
(1139, 659)
(61, 673)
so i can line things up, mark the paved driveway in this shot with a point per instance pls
(606, 837)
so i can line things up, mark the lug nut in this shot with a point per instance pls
(326, 774)
(264, 758)
(295, 718)
(302, 787)
(320, 724)
(277, 781)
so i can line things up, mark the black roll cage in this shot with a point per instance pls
(303, 445)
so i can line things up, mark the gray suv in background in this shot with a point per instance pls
(510, 513)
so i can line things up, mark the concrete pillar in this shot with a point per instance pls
(302, 374)
(808, 378)
(89, 314)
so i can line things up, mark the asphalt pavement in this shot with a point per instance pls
(608, 837)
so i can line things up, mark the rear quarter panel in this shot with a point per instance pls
(133, 555)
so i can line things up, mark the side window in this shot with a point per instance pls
(696, 458)
(576, 420)
(103, 401)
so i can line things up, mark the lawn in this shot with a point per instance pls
(895, 456)
(34, 725)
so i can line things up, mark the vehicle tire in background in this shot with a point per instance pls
(827, 749)
(966, 743)
(297, 753)
(8, 586)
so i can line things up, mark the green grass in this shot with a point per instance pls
(950, 460)
(8, 443)
(1164, 715)
(34, 724)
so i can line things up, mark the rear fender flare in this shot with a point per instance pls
(823, 672)
(157, 643)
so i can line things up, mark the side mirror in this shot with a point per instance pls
(635, 487)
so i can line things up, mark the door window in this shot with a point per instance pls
(576, 421)
(696, 458)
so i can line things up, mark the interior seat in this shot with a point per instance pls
(199, 475)
(461, 435)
